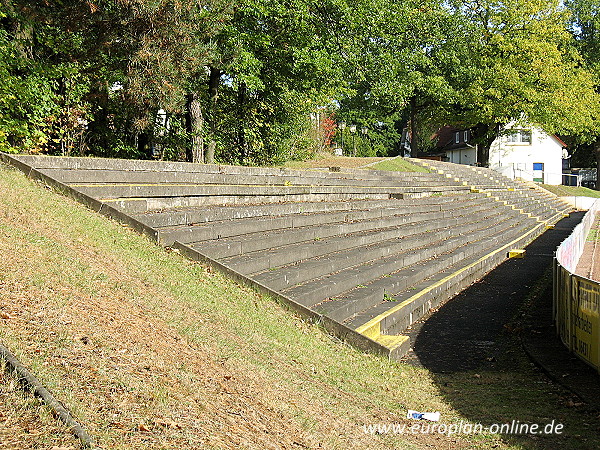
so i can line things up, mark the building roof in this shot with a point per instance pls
(446, 138)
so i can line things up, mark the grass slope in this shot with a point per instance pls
(150, 350)
(398, 165)
(325, 160)
(25, 422)
(571, 191)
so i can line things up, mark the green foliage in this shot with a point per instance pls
(398, 71)
(585, 27)
(521, 63)
(92, 77)
(27, 101)
(42, 106)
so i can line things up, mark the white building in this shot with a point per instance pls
(521, 151)
(528, 153)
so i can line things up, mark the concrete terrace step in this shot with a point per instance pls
(364, 252)
(140, 186)
(513, 193)
(317, 290)
(300, 213)
(252, 242)
(277, 231)
(75, 170)
(272, 257)
(135, 206)
(198, 215)
(468, 172)
(317, 266)
(347, 304)
(72, 177)
(120, 191)
(266, 247)
(403, 307)
(143, 198)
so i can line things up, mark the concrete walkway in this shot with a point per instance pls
(469, 332)
(588, 265)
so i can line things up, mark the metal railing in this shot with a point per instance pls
(523, 174)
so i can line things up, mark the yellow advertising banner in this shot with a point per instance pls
(585, 321)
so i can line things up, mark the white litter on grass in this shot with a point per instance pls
(431, 416)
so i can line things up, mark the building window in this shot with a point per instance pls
(457, 137)
(519, 136)
(466, 135)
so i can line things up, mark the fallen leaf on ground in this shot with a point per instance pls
(167, 424)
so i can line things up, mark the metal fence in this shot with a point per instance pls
(576, 299)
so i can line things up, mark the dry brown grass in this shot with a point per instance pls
(25, 423)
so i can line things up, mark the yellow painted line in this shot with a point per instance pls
(391, 341)
(120, 199)
(372, 328)
(516, 253)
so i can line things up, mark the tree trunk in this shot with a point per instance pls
(213, 94)
(99, 125)
(241, 134)
(213, 84)
(142, 145)
(414, 134)
(484, 135)
(194, 122)
(22, 30)
(597, 155)
(210, 152)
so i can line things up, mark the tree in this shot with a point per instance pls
(42, 104)
(586, 29)
(400, 56)
(520, 63)
(250, 71)
(276, 71)
(171, 67)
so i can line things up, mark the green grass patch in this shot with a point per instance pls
(398, 165)
(594, 235)
(571, 191)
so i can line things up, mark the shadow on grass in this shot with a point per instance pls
(472, 347)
